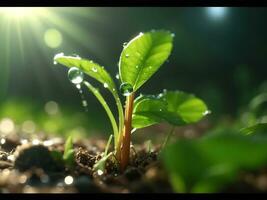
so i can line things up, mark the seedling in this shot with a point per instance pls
(139, 60)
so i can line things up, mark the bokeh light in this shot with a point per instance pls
(216, 12)
(53, 38)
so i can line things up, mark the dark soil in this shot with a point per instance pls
(30, 167)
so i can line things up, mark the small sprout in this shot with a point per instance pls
(68, 155)
(148, 51)
(100, 165)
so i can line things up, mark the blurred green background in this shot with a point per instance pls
(219, 54)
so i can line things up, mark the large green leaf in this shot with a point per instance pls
(211, 163)
(89, 67)
(143, 56)
(186, 106)
(174, 107)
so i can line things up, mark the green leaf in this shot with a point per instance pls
(174, 107)
(211, 163)
(68, 155)
(186, 106)
(257, 128)
(147, 111)
(97, 72)
(100, 165)
(89, 67)
(143, 56)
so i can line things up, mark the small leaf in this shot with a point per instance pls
(100, 165)
(68, 155)
(143, 56)
(89, 67)
(186, 106)
(257, 128)
(174, 107)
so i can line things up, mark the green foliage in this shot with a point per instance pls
(143, 56)
(139, 60)
(174, 107)
(209, 163)
(89, 67)
(68, 155)
(260, 128)
(100, 165)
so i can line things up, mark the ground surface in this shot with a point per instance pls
(27, 166)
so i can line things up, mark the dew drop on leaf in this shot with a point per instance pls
(94, 69)
(124, 44)
(127, 55)
(105, 85)
(126, 89)
(75, 75)
(117, 76)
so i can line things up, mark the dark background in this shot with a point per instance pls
(221, 60)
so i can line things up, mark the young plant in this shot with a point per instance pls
(139, 60)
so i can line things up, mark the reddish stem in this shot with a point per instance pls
(126, 138)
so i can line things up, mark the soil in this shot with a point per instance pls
(28, 166)
(31, 166)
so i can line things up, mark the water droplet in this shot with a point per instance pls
(136, 66)
(57, 56)
(164, 90)
(173, 35)
(126, 89)
(124, 44)
(84, 102)
(105, 85)
(78, 86)
(75, 75)
(127, 55)
(76, 56)
(91, 61)
(117, 76)
(206, 112)
(150, 67)
(160, 109)
(94, 69)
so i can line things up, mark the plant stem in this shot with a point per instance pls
(126, 137)
(168, 137)
(121, 119)
(106, 107)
